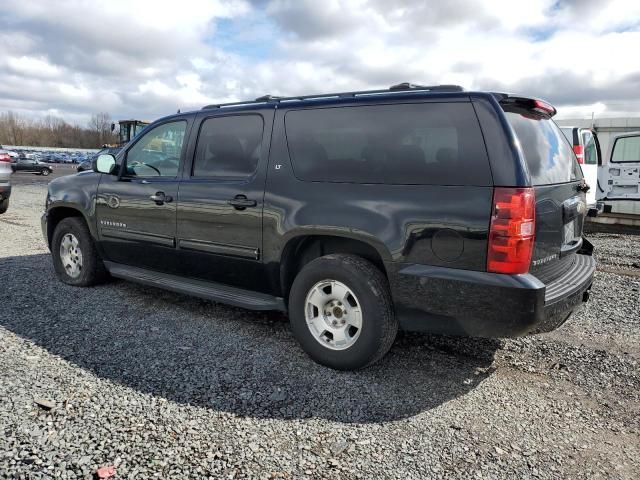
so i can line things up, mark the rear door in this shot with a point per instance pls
(620, 179)
(591, 161)
(219, 226)
(558, 184)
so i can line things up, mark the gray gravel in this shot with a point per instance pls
(168, 386)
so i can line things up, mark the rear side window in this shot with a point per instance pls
(228, 147)
(626, 149)
(426, 143)
(549, 156)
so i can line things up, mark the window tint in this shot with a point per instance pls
(626, 149)
(426, 143)
(228, 147)
(549, 156)
(157, 153)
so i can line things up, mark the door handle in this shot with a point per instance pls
(240, 202)
(160, 198)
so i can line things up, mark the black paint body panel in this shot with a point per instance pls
(431, 239)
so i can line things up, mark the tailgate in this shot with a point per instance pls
(559, 191)
(560, 214)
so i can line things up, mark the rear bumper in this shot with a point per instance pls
(595, 210)
(463, 302)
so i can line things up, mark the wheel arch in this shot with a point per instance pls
(303, 248)
(56, 214)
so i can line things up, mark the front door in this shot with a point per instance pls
(136, 210)
(221, 197)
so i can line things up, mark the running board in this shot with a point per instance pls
(216, 292)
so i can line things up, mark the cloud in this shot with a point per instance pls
(146, 58)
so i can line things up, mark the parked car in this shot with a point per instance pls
(586, 147)
(34, 166)
(87, 163)
(357, 213)
(620, 178)
(5, 180)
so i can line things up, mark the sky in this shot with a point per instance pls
(148, 58)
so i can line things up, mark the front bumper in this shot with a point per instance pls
(43, 224)
(5, 190)
(482, 304)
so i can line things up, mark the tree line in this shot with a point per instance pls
(52, 131)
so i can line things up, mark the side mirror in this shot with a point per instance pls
(105, 163)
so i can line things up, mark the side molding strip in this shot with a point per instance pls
(219, 248)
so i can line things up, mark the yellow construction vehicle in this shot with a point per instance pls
(128, 130)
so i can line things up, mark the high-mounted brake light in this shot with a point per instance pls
(579, 151)
(543, 107)
(512, 229)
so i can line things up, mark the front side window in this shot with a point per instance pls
(157, 153)
(228, 147)
(626, 149)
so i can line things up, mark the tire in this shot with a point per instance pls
(92, 271)
(369, 294)
(45, 172)
(4, 205)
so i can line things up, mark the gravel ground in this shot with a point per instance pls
(167, 386)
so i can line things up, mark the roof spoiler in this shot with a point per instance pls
(534, 104)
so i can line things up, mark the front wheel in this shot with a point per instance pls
(75, 258)
(45, 172)
(4, 205)
(341, 312)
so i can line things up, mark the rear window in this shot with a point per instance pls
(550, 158)
(626, 149)
(426, 143)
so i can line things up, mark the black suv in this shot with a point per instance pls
(422, 208)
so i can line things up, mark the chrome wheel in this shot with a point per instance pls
(333, 314)
(71, 255)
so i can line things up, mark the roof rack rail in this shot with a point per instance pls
(405, 87)
(431, 88)
(268, 98)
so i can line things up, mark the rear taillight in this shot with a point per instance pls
(512, 229)
(579, 151)
(4, 157)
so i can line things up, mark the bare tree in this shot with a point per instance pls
(101, 124)
(53, 131)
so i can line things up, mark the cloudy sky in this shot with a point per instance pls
(149, 58)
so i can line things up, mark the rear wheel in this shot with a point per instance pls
(45, 172)
(341, 312)
(4, 205)
(75, 258)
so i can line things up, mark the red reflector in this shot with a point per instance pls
(579, 151)
(512, 229)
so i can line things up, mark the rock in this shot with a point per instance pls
(338, 447)
(44, 403)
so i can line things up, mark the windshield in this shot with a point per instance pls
(550, 158)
